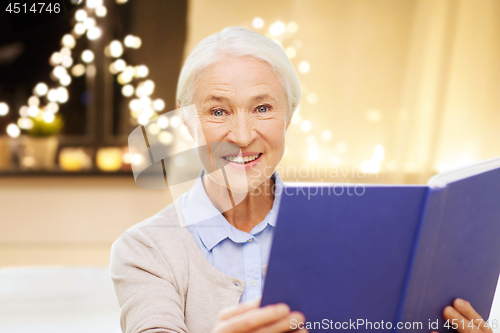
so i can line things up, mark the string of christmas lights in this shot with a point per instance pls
(45, 102)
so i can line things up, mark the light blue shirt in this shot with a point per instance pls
(231, 251)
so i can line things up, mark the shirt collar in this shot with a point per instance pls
(212, 226)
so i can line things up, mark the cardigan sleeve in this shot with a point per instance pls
(145, 287)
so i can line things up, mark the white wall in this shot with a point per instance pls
(69, 220)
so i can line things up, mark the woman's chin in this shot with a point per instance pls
(239, 186)
(239, 181)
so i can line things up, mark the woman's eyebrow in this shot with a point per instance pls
(263, 96)
(213, 98)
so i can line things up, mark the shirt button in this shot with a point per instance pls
(250, 240)
(253, 282)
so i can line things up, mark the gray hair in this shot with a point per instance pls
(240, 42)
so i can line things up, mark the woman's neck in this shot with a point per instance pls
(252, 209)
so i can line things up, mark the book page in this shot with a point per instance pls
(443, 179)
(495, 310)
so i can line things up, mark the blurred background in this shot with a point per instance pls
(393, 92)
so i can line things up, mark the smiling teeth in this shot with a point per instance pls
(240, 159)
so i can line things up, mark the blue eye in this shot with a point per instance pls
(218, 113)
(262, 109)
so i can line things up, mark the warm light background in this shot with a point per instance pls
(418, 78)
(405, 88)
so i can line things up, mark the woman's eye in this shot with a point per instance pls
(218, 113)
(262, 108)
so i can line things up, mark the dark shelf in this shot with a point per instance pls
(55, 173)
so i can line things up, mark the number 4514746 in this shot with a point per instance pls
(37, 8)
(455, 324)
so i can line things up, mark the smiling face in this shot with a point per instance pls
(241, 103)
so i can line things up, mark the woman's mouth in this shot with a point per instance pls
(242, 160)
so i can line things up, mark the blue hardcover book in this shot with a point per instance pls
(365, 258)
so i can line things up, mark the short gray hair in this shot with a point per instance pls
(240, 42)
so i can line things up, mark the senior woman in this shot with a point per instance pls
(209, 276)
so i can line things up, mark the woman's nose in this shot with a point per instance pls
(241, 130)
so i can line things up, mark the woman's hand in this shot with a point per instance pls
(462, 310)
(250, 318)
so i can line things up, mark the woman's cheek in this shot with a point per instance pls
(213, 131)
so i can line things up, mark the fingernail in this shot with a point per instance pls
(460, 301)
(283, 309)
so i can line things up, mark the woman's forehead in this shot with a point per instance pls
(232, 70)
(238, 76)
(222, 97)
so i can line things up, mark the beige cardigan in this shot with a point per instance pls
(163, 282)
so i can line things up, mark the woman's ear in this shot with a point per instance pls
(288, 121)
(182, 113)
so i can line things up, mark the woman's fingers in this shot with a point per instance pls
(284, 325)
(456, 318)
(466, 309)
(253, 319)
(462, 310)
(239, 309)
(450, 313)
